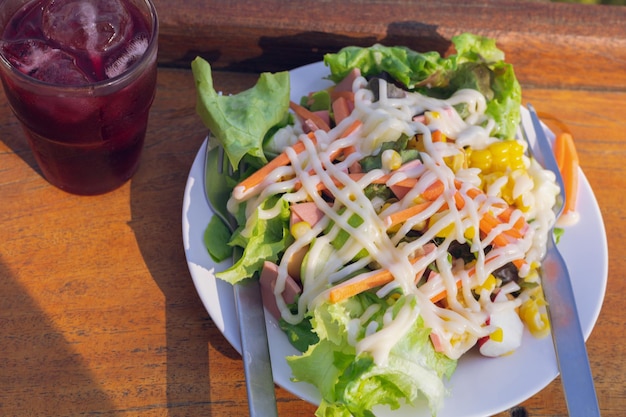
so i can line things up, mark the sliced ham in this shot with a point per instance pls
(342, 108)
(269, 274)
(346, 83)
(413, 169)
(305, 212)
(310, 125)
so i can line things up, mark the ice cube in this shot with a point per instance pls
(131, 54)
(88, 25)
(40, 61)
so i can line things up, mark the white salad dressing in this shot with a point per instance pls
(461, 323)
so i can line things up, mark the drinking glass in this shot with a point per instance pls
(87, 139)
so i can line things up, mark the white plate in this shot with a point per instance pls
(481, 386)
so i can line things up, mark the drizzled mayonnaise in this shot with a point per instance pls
(461, 321)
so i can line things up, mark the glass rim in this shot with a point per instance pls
(125, 77)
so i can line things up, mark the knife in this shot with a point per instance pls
(254, 349)
(248, 303)
(569, 343)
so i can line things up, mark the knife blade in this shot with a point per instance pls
(255, 349)
(569, 343)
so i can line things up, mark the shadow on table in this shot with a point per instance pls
(284, 53)
(29, 340)
(156, 209)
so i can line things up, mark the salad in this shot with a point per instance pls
(394, 219)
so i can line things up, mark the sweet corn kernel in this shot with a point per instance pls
(500, 149)
(536, 321)
(385, 206)
(533, 275)
(419, 200)
(393, 298)
(431, 115)
(516, 162)
(507, 155)
(391, 160)
(517, 149)
(489, 284)
(481, 159)
(497, 335)
(417, 143)
(299, 229)
(507, 191)
(445, 231)
(455, 162)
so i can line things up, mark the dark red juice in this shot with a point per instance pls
(82, 83)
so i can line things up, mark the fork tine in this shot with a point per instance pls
(247, 294)
(216, 166)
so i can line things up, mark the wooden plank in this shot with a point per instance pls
(552, 45)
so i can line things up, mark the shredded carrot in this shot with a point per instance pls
(431, 194)
(505, 216)
(559, 151)
(443, 294)
(349, 150)
(407, 182)
(433, 191)
(403, 215)
(351, 288)
(305, 114)
(567, 159)
(379, 278)
(356, 176)
(358, 285)
(281, 160)
(342, 151)
(488, 222)
(472, 192)
(438, 136)
(351, 129)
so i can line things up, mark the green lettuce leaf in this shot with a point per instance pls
(300, 335)
(477, 64)
(216, 237)
(241, 121)
(352, 384)
(412, 69)
(262, 240)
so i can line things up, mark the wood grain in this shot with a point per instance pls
(553, 45)
(98, 313)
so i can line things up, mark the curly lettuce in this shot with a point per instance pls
(351, 383)
(477, 64)
(241, 121)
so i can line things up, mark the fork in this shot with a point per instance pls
(569, 343)
(247, 294)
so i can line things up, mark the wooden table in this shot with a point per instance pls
(98, 313)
